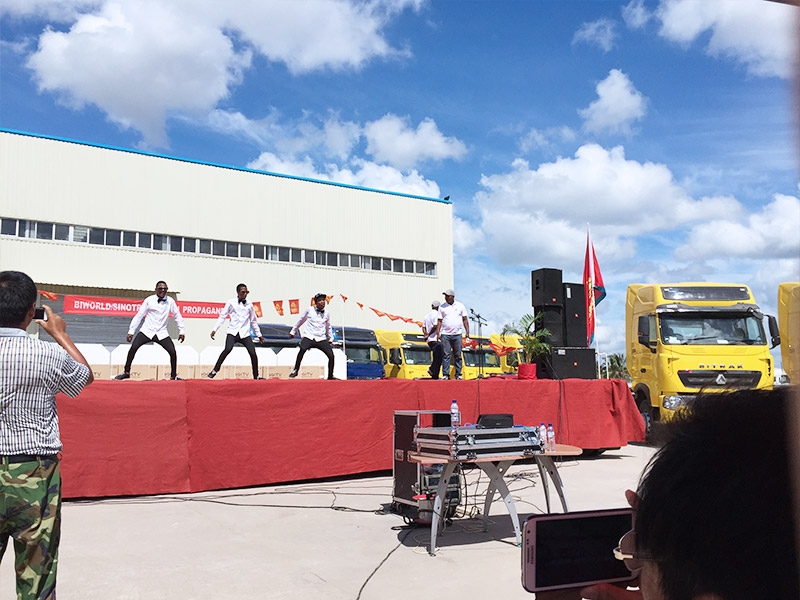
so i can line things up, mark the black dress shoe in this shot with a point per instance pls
(123, 375)
(293, 374)
(212, 374)
(176, 378)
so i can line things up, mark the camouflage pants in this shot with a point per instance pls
(30, 513)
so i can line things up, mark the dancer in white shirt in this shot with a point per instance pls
(318, 333)
(429, 325)
(156, 311)
(243, 320)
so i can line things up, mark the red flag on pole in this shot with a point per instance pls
(593, 286)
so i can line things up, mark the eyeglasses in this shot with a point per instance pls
(626, 552)
(244, 292)
(161, 289)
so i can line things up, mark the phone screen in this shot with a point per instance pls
(574, 549)
(40, 314)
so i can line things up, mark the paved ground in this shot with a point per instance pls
(323, 540)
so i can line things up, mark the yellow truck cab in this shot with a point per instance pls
(789, 321)
(480, 360)
(509, 363)
(684, 338)
(407, 354)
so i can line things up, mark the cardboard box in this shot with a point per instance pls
(202, 371)
(312, 372)
(101, 372)
(237, 372)
(281, 372)
(183, 371)
(138, 372)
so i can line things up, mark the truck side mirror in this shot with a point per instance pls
(643, 329)
(774, 332)
(394, 356)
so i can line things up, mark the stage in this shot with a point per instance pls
(155, 437)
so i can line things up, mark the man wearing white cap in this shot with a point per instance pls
(429, 324)
(452, 316)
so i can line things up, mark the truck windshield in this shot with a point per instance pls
(474, 358)
(362, 355)
(699, 329)
(417, 357)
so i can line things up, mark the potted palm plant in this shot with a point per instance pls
(532, 341)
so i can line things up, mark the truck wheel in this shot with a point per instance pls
(647, 416)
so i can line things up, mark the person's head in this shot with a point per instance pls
(320, 300)
(17, 299)
(435, 304)
(449, 296)
(715, 509)
(161, 289)
(242, 291)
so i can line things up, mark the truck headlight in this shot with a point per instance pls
(672, 402)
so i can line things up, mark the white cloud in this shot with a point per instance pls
(618, 105)
(465, 236)
(635, 14)
(142, 62)
(547, 139)
(132, 64)
(761, 35)
(601, 33)
(359, 173)
(393, 140)
(771, 233)
(542, 213)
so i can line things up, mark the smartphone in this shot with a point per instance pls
(40, 314)
(574, 549)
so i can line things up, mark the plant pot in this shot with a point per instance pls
(526, 371)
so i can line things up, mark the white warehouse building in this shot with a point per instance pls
(103, 223)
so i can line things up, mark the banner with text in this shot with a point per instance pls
(127, 307)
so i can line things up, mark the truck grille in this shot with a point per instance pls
(719, 379)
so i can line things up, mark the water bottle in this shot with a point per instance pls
(543, 437)
(551, 438)
(455, 415)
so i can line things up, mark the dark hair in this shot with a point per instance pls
(239, 287)
(715, 506)
(164, 282)
(320, 295)
(17, 295)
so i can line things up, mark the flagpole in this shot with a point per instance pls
(344, 337)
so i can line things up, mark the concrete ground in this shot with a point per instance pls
(332, 539)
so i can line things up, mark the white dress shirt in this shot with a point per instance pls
(451, 316)
(243, 318)
(318, 324)
(155, 315)
(429, 324)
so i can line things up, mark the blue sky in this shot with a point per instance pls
(668, 126)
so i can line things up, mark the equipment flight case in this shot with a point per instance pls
(469, 443)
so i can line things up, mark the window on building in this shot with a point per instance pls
(8, 226)
(366, 262)
(97, 236)
(23, 228)
(320, 257)
(246, 250)
(408, 266)
(80, 234)
(129, 238)
(419, 268)
(259, 251)
(297, 255)
(190, 245)
(283, 254)
(113, 237)
(44, 231)
(386, 264)
(232, 249)
(430, 268)
(205, 246)
(398, 265)
(145, 240)
(377, 263)
(332, 259)
(159, 241)
(272, 253)
(62, 232)
(355, 261)
(344, 260)
(308, 256)
(175, 243)
(218, 248)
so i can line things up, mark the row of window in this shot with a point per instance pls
(80, 234)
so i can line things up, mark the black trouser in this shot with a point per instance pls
(247, 342)
(324, 345)
(436, 365)
(141, 339)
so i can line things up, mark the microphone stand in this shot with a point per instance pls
(476, 318)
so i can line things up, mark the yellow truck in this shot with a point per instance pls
(684, 338)
(407, 354)
(509, 363)
(480, 360)
(789, 321)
